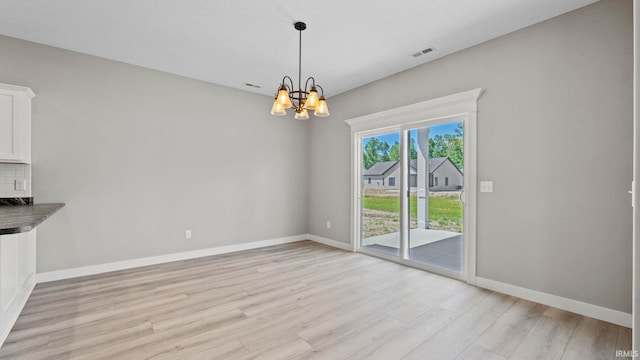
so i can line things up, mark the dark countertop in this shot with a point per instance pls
(23, 218)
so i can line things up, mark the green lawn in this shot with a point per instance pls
(442, 209)
(387, 203)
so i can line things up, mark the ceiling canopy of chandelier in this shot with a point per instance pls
(300, 100)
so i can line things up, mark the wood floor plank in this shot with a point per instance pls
(348, 345)
(62, 349)
(285, 351)
(442, 289)
(37, 343)
(51, 325)
(217, 329)
(624, 339)
(548, 338)
(461, 332)
(176, 344)
(333, 329)
(294, 301)
(593, 339)
(408, 337)
(229, 351)
(476, 352)
(260, 340)
(464, 299)
(504, 336)
(302, 295)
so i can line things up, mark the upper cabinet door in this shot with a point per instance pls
(15, 123)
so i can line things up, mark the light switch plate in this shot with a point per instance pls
(486, 186)
(20, 185)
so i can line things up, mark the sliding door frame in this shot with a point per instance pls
(457, 107)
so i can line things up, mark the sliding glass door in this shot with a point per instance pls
(412, 196)
(413, 185)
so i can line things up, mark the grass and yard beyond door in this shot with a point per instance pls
(381, 209)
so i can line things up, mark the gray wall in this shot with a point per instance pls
(139, 156)
(558, 101)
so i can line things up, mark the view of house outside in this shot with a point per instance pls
(381, 176)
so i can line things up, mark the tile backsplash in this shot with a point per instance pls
(12, 173)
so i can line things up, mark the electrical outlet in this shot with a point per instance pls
(187, 234)
(328, 224)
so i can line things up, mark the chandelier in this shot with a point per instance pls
(300, 100)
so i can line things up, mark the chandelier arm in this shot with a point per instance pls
(321, 90)
(306, 84)
(290, 88)
(298, 97)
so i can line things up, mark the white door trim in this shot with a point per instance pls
(460, 106)
(635, 194)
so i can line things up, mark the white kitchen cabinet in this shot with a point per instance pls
(15, 123)
(17, 276)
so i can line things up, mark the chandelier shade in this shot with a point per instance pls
(301, 100)
(278, 109)
(312, 100)
(301, 115)
(322, 110)
(283, 97)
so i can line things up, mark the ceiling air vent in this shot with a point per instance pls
(252, 85)
(422, 52)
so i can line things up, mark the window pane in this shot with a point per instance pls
(435, 208)
(380, 195)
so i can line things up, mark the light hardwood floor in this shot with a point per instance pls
(295, 301)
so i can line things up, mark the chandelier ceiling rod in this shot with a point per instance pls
(300, 26)
(306, 99)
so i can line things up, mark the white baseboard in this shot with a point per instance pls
(153, 260)
(329, 242)
(578, 307)
(10, 316)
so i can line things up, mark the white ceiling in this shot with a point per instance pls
(232, 42)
